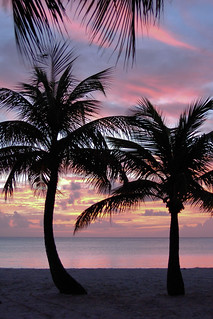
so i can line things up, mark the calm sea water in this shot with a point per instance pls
(105, 252)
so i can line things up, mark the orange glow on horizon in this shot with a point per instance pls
(25, 215)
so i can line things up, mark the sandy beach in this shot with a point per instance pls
(112, 294)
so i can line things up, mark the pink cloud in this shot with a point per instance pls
(165, 36)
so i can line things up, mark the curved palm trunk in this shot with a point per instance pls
(175, 285)
(63, 281)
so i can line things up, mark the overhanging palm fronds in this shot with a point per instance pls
(118, 20)
(109, 21)
(32, 20)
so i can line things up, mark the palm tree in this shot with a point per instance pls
(171, 164)
(109, 20)
(54, 134)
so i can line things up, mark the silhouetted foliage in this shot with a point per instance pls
(109, 21)
(54, 134)
(170, 164)
(118, 21)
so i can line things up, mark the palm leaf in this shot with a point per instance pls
(201, 197)
(32, 23)
(20, 132)
(207, 179)
(151, 130)
(19, 162)
(97, 82)
(87, 134)
(126, 197)
(99, 166)
(55, 58)
(12, 101)
(137, 160)
(192, 119)
(114, 20)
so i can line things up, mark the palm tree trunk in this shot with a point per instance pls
(63, 281)
(175, 285)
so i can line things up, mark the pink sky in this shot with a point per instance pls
(174, 64)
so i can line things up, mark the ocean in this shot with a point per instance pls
(105, 252)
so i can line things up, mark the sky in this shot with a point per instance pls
(173, 68)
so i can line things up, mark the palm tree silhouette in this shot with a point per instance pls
(54, 134)
(109, 21)
(171, 164)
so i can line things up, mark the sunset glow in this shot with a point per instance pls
(173, 68)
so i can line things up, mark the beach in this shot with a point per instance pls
(112, 294)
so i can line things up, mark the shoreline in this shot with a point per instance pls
(112, 294)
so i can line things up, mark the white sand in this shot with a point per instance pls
(112, 294)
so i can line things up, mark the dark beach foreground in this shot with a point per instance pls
(112, 294)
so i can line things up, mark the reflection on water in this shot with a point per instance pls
(192, 261)
(105, 252)
(116, 262)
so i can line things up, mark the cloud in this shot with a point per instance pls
(62, 217)
(4, 221)
(72, 192)
(199, 230)
(151, 212)
(63, 204)
(14, 220)
(75, 195)
(72, 186)
(167, 37)
(20, 221)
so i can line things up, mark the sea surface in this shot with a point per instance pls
(105, 252)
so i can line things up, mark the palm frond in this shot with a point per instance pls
(18, 161)
(137, 160)
(93, 166)
(113, 204)
(24, 106)
(145, 187)
(192, 119)
(114, 20)
(149, 118)
(97, 82)
(199, 155)
(151, 130)
(202, 198)
(123, 198)
(20, 133)
(80, 112)
(114, 125)
(207, 179)
(55, 58)
(12, 101)
(32, 23)
(86, 135)
(64, 83)
(9, 155)
(100, 167)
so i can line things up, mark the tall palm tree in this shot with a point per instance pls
(108, 20)
(54, 134)
(171, 164)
